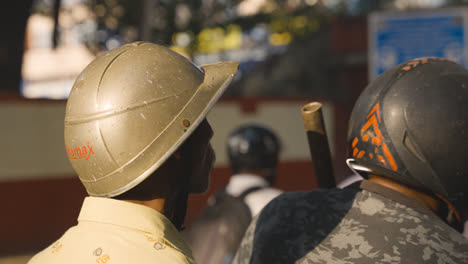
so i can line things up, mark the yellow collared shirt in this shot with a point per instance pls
(114, 232)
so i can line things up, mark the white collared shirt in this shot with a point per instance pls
(113, 231)
(257, 199)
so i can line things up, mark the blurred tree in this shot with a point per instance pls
(162, 18)
(158, 20)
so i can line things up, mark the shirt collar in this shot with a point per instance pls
(132, 216)
(397, 197)
(241, 182)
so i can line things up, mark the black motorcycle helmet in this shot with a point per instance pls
(253, 147)
(410, 124)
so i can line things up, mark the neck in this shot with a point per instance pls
(156, 204)
(173, 208)
(426, 199)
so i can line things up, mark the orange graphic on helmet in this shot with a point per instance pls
(415, 63)
(371, 134)
(412, 64)
(83, 152)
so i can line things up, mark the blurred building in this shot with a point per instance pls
(49, 72)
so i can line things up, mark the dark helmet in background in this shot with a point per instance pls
(254, 147)
(410, 124)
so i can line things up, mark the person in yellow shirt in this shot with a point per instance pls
(137, 136)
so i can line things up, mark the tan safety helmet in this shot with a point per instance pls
(131, 108)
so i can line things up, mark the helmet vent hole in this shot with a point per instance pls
(411, 146)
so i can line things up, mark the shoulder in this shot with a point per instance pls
(266, 191)
(101, 246)
(294, 223)
(294, 204)
(260, 198)
(160, 253)
(377, 229)
(304, 210)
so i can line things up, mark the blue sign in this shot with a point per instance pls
(399, 37)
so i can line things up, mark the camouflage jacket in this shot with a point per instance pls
(359, 224)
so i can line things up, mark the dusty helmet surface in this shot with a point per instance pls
(131, 108)
(410, 124)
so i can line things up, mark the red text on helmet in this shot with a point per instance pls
(83, 152)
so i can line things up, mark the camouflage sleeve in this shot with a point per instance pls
(245, 249)
(292, 225)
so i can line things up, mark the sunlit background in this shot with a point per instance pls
(250, 31)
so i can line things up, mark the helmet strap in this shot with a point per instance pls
(449, 213)
(175, 207)
(179, 199)
(178, 210)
